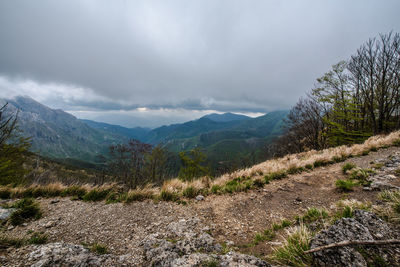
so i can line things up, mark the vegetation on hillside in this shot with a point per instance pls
(357, 98)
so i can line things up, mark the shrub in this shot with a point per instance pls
(168, 196)
(345, 185)
(37, 239)
(292, 252)
(374, 149)
(232, 186)
(99, 248)
(26, 209)
(348, 166)
(190, 192)
(346, 212)
(365, 153)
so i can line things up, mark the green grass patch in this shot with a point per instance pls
(38, 239)
(168, 196)
(312, 215)
(347, 167)
(27, 209)
(190, 192)
(320, 163)
(6, 242)
(275, 176)
(292, 252)
(259, 183)
(216, 189)
(96, 195)
(99, 248)
(345, 185)
(309, 166)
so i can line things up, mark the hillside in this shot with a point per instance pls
(226, 228)
(229, 140)
(57, 134)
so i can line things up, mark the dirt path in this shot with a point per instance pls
(236, 217)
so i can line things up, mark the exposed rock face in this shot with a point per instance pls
(385, 175)
(363, 226)
(62, 254)
(188, 248)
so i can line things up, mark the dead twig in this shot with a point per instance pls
(355, 242)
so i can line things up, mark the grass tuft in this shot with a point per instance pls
(345, 185)
(347, 167)
(292, 252)
(99, 248)
(190, 192)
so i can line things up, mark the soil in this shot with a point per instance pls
(236, 217)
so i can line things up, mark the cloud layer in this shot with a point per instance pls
(240, 56)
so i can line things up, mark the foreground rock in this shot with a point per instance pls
(363, 226)
(63, 254)
(188, 248)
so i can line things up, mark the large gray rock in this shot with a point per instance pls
(363, 226)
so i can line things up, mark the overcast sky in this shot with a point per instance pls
(149, 63)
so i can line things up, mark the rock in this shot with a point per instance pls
(199, 198)
(364, 226)
(230, 243)
(63, 254)
(6, 213)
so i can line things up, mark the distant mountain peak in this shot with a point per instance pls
(225, 117)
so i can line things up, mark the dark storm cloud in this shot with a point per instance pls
(221, 55)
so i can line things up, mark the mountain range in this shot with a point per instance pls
(223, 137)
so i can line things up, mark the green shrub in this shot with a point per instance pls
(37, 239)
(365, 153)
(348, 166)
(5, 193)
(26, 209)
(294, 170)
(374, 149)
(99, 248)
(258, 183)
(232, 186)
(338, 159)
(96, 195)
(190, 192)
(138, 196)
(114, 197)
(168, 196)
(285, 223)
(345, 185)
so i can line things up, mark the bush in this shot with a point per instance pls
(138, 196)
(345, 185)
(190, 192)
(309, 166)
(320, 163)
(348, 166)
(26, 209)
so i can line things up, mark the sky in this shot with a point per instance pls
(149, 63)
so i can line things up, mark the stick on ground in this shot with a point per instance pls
(355, 242)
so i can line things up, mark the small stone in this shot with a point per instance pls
(200, 198)
(54, 201)
(230, 243)
(49, 224)
(298, 199)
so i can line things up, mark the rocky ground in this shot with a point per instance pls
(203, 232)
